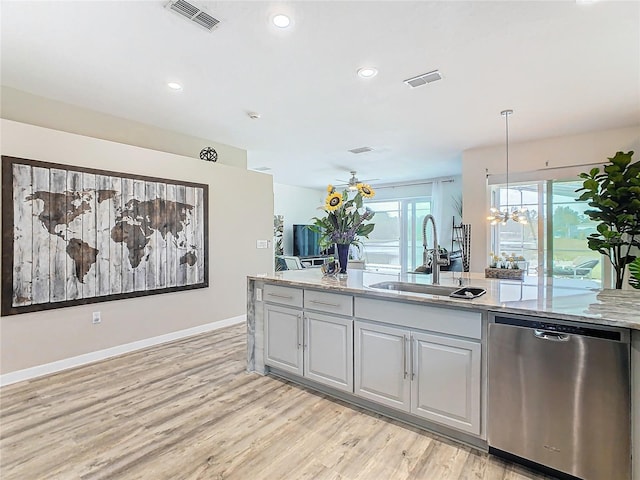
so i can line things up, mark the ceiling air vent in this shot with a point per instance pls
(423, 79)
(361, 150)
(193, 13)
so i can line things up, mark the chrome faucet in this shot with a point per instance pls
(435, 256)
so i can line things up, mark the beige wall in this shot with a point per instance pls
(298, 205)
(543, 154)
(27, 108)
(240, 212)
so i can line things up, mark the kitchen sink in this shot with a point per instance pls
(416, 288)
(457, 292)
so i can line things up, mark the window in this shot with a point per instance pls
(554, 240)
(570, 227)
(382, 248)
(415, 210)
(516, 238)
(396, 240)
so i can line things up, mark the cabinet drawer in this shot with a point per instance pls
(283, 295)
(424, 317)
(328, 302)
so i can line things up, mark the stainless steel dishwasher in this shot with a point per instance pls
(559, 396)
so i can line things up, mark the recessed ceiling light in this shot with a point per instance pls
(281, 21)
(367, 72)
(174, 86)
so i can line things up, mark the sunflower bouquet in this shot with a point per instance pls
(345, 221)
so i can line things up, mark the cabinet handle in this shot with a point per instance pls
(305, 334)
(299, 317)
(288, 297)
(404, 355)
(413, 373)
(318, 302)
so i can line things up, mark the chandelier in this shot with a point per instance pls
(497, 215)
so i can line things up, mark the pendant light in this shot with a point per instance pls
(501, 216)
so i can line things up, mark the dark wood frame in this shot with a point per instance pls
(7, 307)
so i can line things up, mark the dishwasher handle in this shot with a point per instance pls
(553, 336)
(548, 327)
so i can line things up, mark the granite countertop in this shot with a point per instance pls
(560, 298)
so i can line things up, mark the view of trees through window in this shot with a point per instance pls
(571, 227)
(551, 207)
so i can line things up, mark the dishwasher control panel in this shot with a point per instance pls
(573, 329)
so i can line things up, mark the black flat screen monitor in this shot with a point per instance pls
(307, 243)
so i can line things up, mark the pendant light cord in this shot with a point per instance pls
(506, 114)
(498, 215)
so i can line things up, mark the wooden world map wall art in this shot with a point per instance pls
(73, 235)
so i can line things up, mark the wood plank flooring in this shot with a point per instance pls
(188, 410)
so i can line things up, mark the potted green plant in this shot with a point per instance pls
(634, 270)
(614, 195)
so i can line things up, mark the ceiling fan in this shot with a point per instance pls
(352, 183)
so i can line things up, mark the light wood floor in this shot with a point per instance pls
(188, 410)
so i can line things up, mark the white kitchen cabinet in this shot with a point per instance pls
(445, 385)
(422, 360)
(283, 338)
(328, 350)
(310, 342)
(432, 376)
(382, 364)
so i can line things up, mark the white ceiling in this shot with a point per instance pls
(563, 67)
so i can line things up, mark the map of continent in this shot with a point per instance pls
(133, 225)
(140, 219)
(85, 234)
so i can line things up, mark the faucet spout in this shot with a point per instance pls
(435, 256)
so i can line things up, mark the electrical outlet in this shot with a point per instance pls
(96, 317)
(258, 294)
(262, 243)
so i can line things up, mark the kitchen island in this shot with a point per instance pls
(374, 347)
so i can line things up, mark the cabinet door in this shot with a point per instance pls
(328, 352)
(283, 338)
(381, 364)
(446, 381)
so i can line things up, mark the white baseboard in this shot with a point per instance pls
(59, 365)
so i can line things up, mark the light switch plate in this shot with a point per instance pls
(262, 243)
(258, 294)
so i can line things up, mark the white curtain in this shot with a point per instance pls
(436, 207)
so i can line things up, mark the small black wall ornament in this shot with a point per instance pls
(209, 154)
